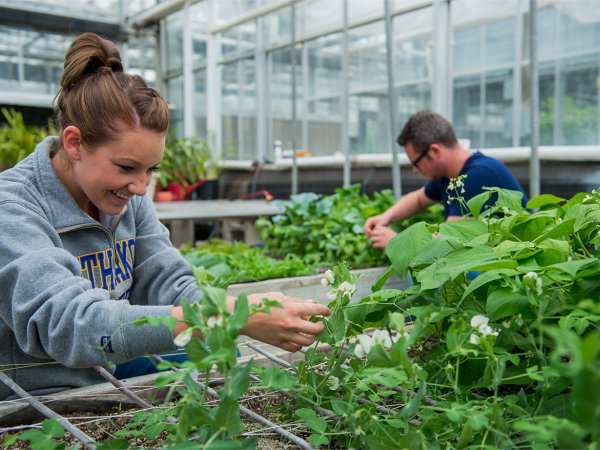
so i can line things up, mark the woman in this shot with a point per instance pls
(82, 253)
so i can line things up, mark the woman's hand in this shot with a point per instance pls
(288, 327)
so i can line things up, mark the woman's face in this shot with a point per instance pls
(105, 177)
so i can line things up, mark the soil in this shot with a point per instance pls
(102, 428)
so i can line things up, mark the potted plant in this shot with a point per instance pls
(187, 164)
(17, 140)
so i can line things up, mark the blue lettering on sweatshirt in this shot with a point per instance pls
(107, 273)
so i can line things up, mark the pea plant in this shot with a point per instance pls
(496, 344)
(210, 341)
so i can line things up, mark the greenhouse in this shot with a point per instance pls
(315, 224)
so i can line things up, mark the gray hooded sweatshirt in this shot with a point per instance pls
(71, 287)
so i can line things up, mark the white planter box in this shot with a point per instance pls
(310, 287)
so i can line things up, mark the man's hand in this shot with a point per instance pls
(380, 220)
(288, 327)
(381, 235)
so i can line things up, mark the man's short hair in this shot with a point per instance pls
(425, 128)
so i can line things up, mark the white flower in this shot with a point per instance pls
(587, 198)
(328, 280)
(363, 347)
(400, 334)
(183, 338)
(533, 282)
(488, 331)
(333, 383)
(382, 337)
(451, 186)
(214, 321)
(519, 320)
(347, 289)
(479, 321)
(332, 294)
(474, 339)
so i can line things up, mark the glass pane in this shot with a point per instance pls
(412, 63)
(280, 99)
(175, 99)
(369, 103)
(498, 123)
(319, 16)
(324, 94)
(467, 111)
(568, 55)
(239, 110)
(230, 10)
(278, 27)
(362, 10)
(240, 40)
(499, 42)
(174, 37)
(579, 107)
(199, 32)
(200, 102)
(141, 56)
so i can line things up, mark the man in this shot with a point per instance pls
(433, 150)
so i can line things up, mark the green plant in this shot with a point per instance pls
(186, 161)
(327, 229)
(223, 263)
(17, 140)
(504, 351)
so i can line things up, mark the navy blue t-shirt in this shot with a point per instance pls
(482, 171)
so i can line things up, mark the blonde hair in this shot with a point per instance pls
(97, 97)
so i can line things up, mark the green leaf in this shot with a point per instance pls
(513, 200)
(543, 200)
(504, 302)
(196, 350)
(335, 327)
(316, 440)
(487, 278)
(406, 245)
(476, 203)
(113, 444)
(240, 313)
(465, 230)
(228, 416)
(240, 380)
(311, 419)
(53, 428)
(379, 357)
(562, 229)
(276, 379)
(573, 267)
(383, 278)
(9, 440)
(458, 262)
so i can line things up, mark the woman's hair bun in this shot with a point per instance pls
(87, 55)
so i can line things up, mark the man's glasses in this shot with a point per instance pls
(416, 162)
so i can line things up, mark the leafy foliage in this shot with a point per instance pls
(187, 160)
(504, 350)
(17, 140)
(324, 230)
(221, 263)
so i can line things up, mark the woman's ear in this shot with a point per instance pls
(72, 142)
